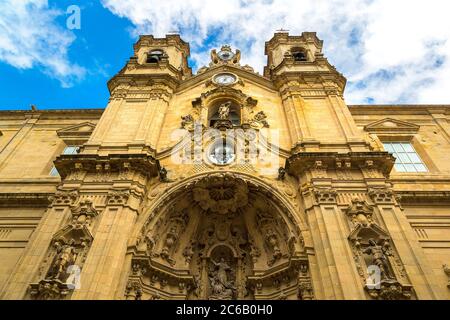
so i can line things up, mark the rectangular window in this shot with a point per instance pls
(407, 158)
(67, 150)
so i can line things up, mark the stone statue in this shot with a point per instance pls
(188, 253)
(224, 110)
(272, 241)
(163, 175)
(379, 258)
(171, 239)
(65, 257)
(221, 287)
(255, 253)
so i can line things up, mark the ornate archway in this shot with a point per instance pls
(220, 237)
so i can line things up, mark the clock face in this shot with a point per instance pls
(225, 79)
(225, 55)
(222, 154)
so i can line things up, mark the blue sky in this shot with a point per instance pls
(390, 51)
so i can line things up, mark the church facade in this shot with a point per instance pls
(226, 185)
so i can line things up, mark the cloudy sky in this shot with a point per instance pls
(391, 51)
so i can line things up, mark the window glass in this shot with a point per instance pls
(70, 150)
(407, 159)
(54, 172)
(67, 150)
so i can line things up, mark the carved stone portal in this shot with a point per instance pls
(221, 239)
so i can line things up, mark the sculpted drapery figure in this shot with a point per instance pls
(221, 287)
(64, 258)
(379, 258)
(224, 110)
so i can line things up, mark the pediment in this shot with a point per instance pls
(81, 130)
(389, 125)
(363, 233)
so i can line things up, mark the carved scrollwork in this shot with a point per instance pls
(220, 194)
(381, 195)
(64, 197)
(375, 259)
(187, 122)
(360, 213)
(194, 250)
(133, 290)
(259, 121)
(118, 197)
(325, 195)
(83, 213)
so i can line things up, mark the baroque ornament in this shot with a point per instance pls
(221, 194)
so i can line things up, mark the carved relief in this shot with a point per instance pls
(118, 197)
(221, 195)
(259, 121)
(447, 272)
(66, 255)
(187, 122)
(360, 213)
(325, 195)
(64, 197)
(221, 250)
(381, 195)
(375, 259)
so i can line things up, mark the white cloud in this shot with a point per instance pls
(390, 51)
(30, 37)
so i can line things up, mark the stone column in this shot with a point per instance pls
(338, 276)
(101, 274)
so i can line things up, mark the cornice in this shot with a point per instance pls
(303, 161)
(50, 113)
(311, 77)
(146, 164)
(24, 199)
(414, 197)
(151, 79)
(418, 109)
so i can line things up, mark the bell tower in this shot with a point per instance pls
(312, 94)
(140, 95)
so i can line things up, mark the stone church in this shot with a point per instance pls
(226, 185)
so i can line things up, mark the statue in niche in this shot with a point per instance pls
(379, 255)
(272, 241)
(188, 253)
(255, 253)
(221, 287)
(224, 110)
(171, 239)
(65, 257)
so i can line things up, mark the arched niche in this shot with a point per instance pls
(220, 236)
(207, 105)
(234, 111)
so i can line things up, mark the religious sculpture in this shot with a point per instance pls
(379, 258)
(221, 287)
(224, 110)
(272, 241)
(65, 257)
(171, 239)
